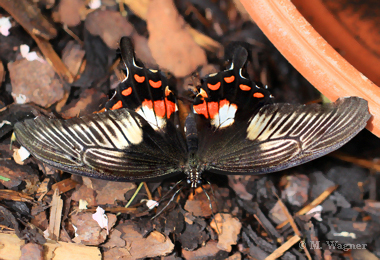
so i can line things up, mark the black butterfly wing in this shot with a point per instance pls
(144, 91)
(137, 138)
(281, 136)
(116, 145)
(242, 132)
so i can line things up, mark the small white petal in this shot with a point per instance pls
(151, 204)
(95, 4)
(101, 218)
(5, 25)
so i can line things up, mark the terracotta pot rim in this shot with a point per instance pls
(312, 56)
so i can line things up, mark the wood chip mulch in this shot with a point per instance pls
(58, 59)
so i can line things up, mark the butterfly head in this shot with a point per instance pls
(193, 171)
(194, 178)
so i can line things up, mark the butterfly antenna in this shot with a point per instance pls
(172, 188)
(172, 198)
(213, 195)
(212, 210)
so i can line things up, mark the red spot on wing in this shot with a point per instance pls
(201, 109)
(118, 105)
(258, 95)
(170, 108)
(159, 108)
(139, 79)
(127, 92)
(213, 87)
(224, 102)
(213, 109)
(229, 79)
(244, 87)
(147, 103)
(155, 84)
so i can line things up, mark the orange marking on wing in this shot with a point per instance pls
(127, 92)
(244, 87)
(118, 105)
(229, 79)
(213, 109)
(258, 95)
(170, 108)
(155, 84)
(213, 87)
(159, 108)
(167, 91)
(201, 109)
(147, 103)
(100, 111)
(139, 79)
(203, 93)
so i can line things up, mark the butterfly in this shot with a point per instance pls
(232, 126)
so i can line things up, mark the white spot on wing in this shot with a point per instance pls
(225, 116)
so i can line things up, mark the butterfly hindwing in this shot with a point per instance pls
(228, 96)
(144, 91)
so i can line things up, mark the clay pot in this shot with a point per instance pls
(314, 57)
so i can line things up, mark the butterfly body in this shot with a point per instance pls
(231, 127)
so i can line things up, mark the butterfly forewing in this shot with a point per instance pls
(280, 136)
(117, 145)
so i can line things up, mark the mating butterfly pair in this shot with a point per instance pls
(232, 127)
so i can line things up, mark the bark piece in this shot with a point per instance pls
(90, 100)
(229, 228)
(72, 57)
(69, 11)
(155, 244)
(109, 25)
(172, 46)
(112, 191)
(209, 251)
(88, 230)
(32, 251)
(33, 81)
(296, 189)
(84, 193)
